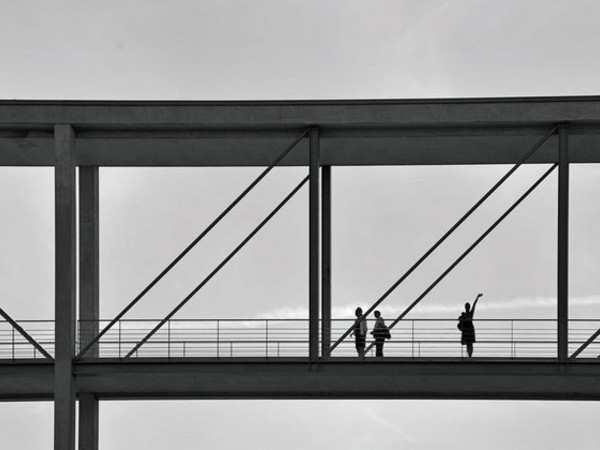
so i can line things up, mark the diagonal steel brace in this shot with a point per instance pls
(276, 161)
(220, 266)
(591, 339)
(471, 247)
(523, 159)
(25, 334)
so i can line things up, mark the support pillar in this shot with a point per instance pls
(65, 282)
(89, 290)
(563, 244)
(313, 254)
(326, 260)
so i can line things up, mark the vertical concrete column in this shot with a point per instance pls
(65, 282)
(89, 257)
(563, 244)
(88, 421)
(313, 254)
(89, 290)
(326, 260)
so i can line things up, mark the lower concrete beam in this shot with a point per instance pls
(388, 379)
(26, 380)
(344, 379)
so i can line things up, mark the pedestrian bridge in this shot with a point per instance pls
(270, 358)
(91, 360)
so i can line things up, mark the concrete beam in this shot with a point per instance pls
(89, 255)
(89, 291)
(325, 260)
(314, 239)
(88, 421)
(65, 282)
(448, 131)
(26, 380)
(391, 378)
(253, 114)
(349, 379)
(563, 247)
(420, 146)
(25, 151)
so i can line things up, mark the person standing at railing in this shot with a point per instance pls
(360, 332)
(380, 333)
(465, 325)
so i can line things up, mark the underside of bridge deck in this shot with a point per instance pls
(296, 378)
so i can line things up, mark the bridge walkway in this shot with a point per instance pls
(425, 338)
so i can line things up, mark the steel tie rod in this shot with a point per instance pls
(193, 244)
(25, 334)
(466, 252)
(591, 339)
(220, 266)
(524, 158)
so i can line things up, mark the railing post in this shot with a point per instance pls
(412, 338)
(313, 265)
(563, 245)
(119, 339)
(512, 338)
(218, 337)
(168, 339)
(266, 338)
(13, 343)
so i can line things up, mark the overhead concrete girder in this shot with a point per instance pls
(261, 114)
(461, 131)
(260, 150)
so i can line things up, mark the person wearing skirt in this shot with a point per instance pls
(465, 325)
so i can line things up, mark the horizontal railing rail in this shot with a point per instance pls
(277, 338)
(15, 346)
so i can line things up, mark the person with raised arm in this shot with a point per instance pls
(465, 325)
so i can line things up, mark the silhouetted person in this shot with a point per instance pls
(380, 333)
(465, 325)
(360, 332)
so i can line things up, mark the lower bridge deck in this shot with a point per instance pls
(268, 358)
(298, 378)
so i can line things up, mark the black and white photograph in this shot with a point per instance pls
(299, 224)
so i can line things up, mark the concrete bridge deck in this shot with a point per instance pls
(288, 378)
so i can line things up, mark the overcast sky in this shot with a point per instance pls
(209, 50)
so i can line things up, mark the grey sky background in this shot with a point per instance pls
(384, 218)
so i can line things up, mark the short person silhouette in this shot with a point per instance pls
(380, 333)
(465, 325)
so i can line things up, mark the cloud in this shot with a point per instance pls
(534, 304)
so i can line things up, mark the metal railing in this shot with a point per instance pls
(276, 338)
(14, 346)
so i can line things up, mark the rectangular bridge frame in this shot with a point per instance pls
(89, 134)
